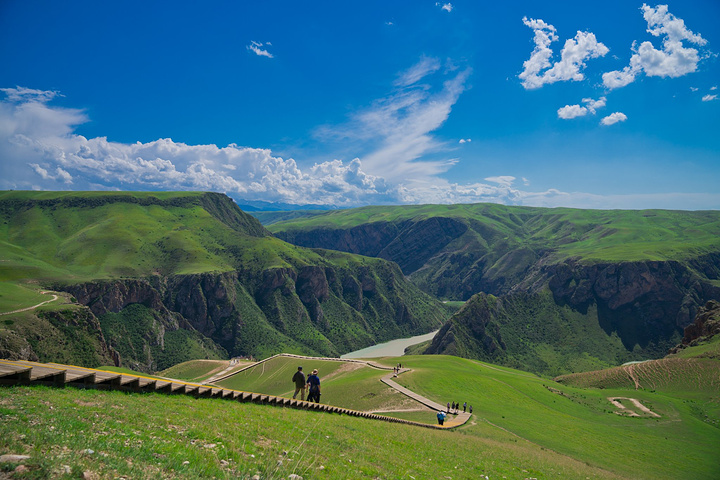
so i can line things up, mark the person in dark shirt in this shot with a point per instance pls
(313, 382)
(299, 381)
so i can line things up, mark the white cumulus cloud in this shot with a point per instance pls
(448, 7)
(709, 98)
(672, 60)
(465, 140)
(614, 118)
(538, 69)
(573, 111)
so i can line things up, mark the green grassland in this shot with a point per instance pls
(523, 426)
(352, 385)
(574, 421)
(148, 436)
(194, 370)
(589, 235)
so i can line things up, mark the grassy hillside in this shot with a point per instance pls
(532, 332)
(173, 276)
(590, 235)
(523, 427)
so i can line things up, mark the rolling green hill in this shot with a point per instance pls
(522, 426)
(572, 289)
(175, 276)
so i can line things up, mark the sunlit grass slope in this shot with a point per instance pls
(195, 370)
(580, 422)
(590, 235)
(350, 385)
(90, 235)
(147, 436)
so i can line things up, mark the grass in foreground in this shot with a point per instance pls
(144, 436)
(577, 422)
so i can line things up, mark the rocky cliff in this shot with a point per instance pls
(638, 276)
(312, 310)
(164, 277)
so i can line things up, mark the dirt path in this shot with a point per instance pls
(630, 370)
(623, 409)
(55, 297)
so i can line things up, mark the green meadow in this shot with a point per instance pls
(523, 426)
(588, 235)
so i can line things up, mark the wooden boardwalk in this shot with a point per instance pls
(21, 372)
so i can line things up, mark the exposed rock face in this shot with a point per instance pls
(644, 303)
(705, 326)
(641, 301)
(232, 309)
(409, 244)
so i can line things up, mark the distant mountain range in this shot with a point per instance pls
(549, 290)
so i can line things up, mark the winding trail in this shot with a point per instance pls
(460, 419)
(22, 372)
(55, 297)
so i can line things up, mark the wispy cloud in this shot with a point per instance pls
(425, 67)
(673, 60)
(709, 98)
(258, 48)
(614, 118)
(538, 70)
(394, 134)
(448, 7)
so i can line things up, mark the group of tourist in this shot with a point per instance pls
(453, 407)
(312, 383)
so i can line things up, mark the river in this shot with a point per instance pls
(393, 348)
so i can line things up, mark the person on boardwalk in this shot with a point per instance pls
(314, 382)
(453, 407)
(464, 406)
(441, 417)
(470, 408)
(299, 381)
(448, 405)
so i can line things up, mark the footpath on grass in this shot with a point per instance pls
(460, 419)
(55, 297)
(22, 372)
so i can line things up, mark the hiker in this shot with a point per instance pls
(299, 381)
(453, 406)
(464, 407)
(457, 407)
(314, 382)
(441, 417)
(470, 408)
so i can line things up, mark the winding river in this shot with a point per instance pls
(393, 348)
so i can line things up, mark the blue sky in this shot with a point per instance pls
(611, 104)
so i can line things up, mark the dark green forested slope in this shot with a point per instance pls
(172, 276)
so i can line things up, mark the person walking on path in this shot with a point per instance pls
(470, 408)
(299, 381)
(453, 407)
(314, 382)
(448, 405)
(441, 417)
(464, 406)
